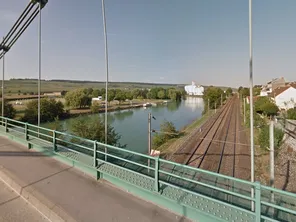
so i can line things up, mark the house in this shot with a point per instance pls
(96, 99)
(272, 85)
(194, 90)
(53, 94)
(284, 97)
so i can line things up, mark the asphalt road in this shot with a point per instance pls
(14, 209)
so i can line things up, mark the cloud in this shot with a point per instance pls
(161, 78)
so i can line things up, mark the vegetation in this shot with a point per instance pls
(264, 105)
(94, 129)
(264, 137)
(167, 132)
(228, 91)
(212, 95)
(78, 98)
(50, 109)
(291, 114)
(9, 111)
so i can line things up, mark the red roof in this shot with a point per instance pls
(279, 90)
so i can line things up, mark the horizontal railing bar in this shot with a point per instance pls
(125, 150)
(268, 218)
(209, 186)
(42, 134)
(16, 126)
(278, 191)
(42, 128)
(278, 207)
(15, 130)
(208, 172)
(77, 145)
(73, 136)
(16, 121)
(128, 161)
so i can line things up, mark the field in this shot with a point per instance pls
(20, 86)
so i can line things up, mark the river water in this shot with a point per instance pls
(132, 124)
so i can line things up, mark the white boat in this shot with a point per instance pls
(147, 104)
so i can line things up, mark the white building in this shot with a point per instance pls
(99, 98)
(194, 90)
(285, 97)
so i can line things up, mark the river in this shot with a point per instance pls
(132, 124)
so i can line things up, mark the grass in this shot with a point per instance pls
(172, 145)
(13, 86)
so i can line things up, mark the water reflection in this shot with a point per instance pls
(122, 115)
(194, 103)
(173, 106)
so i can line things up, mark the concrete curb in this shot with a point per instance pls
(49, 210)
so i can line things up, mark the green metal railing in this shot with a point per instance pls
(270, 204)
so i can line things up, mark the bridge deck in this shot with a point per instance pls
(78, 195)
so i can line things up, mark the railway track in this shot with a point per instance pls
(185, 153)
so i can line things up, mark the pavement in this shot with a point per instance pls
(13, 208)
(66, 194)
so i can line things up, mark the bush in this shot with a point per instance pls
(167, 132)
(291, 114)
(9, 111)
(95, 107)
(264, 137)
(49, 110)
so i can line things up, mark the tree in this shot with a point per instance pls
(161, 94)
(49, 110)
(9, 111)
(228, 91)
(77, 98)
(213, 96)
(94, 129)
(129, 95)
(270, 109)
(264, 105)
(167, 132)
(96, 93)
(291, 113)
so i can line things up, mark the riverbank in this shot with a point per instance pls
(174, 144)
(116, 107)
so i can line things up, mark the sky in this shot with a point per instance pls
(157, 41)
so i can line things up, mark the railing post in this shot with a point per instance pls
(54, 141)
(95, 154)
(258, 201)
(156, 174)
(26, 131)
(6, 126)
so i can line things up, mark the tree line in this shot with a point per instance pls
(81, 98)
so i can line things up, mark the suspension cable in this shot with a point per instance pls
(22, 23)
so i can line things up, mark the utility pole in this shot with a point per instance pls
(251, 102)
(3, 72)
(215, 107)
(209, 106)
(221, 99)
(149, 138)
(244, 110)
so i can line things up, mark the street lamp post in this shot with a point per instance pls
(3, 72)
(39, 67)
(251, 99)
(107, 75)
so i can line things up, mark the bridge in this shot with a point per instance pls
(68, 178)
(169, 185)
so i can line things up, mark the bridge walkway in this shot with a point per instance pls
(70, 193)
